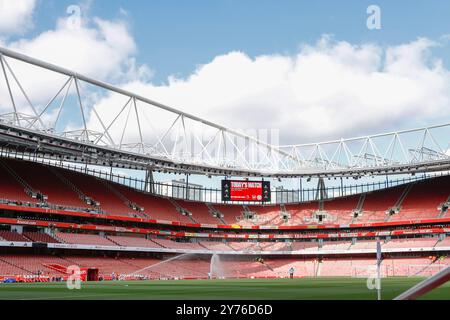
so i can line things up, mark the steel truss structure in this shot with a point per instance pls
(139, 133)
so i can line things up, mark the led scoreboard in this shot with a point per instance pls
(234, 190)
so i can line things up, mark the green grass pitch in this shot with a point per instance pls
(306, 288)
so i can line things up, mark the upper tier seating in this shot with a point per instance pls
(421, 200)
(200, 212)
(378, 202)
(96, 189)
(342, 208)
(231, 213)
(266, 215)
(41, 179)
(10, 188)
(154, 207)
(300, 213)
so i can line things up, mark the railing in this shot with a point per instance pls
(213, 195)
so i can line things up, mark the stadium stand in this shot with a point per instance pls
(98, 191)
(342, 208)
(67, 189)
(200, 212)
(165, 243)
(40, 237)
(301, 213)
(154, 207)
(81, 238)
(10, 188)
(41, 179)
(424, 199)
(127, 241)
(13, 236)
(377, 204)
(231, 213)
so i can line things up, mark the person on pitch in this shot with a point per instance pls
(291, 272)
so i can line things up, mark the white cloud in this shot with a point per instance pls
(327, 90)
(16, 15)
(98, 48)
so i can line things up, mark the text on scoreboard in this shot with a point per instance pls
(234, 190)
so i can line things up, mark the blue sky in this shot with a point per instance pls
(316, 60)
(173, 37)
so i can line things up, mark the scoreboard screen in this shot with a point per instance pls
(234, 190)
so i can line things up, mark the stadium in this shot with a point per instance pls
(106, 193)
(63, 205)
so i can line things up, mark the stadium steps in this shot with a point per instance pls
(80, 194)
(115, 242)
(219, 214)
(27, 188)
(58, 239)
(437, 241)
(132, 205)
(202, 245)
(445, 208)
(158, 244)
(398, 205)
(15, 265)
(192, 219)
(359, 207)
(215, 213)
(181, 210)
(286, 213)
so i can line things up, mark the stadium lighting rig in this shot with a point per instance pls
(189, 144)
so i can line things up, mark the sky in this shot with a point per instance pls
(173, 37)
(312, 70)
(280, 64)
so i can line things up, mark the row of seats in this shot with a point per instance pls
(26, 237)
(136, 241)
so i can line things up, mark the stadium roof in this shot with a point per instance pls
(184, 143)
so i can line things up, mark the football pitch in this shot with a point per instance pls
(264, 289)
